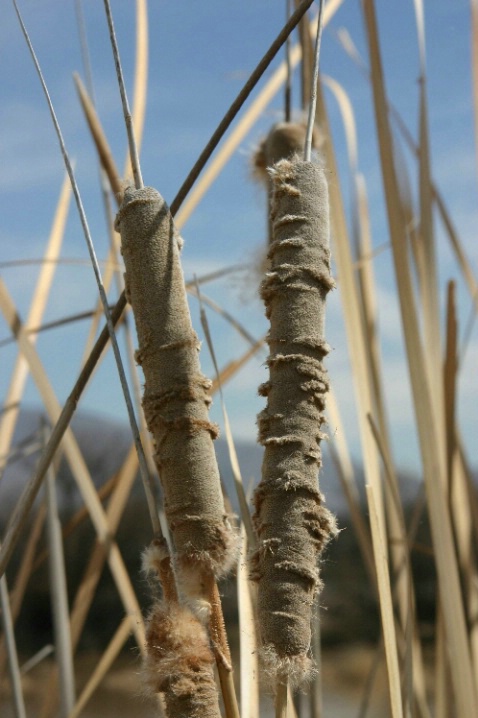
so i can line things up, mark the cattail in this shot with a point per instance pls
(292, 524)
(179, 663)
(285, 139)
(176, 397)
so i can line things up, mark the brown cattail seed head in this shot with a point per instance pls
(285, 139)
(176, 397)
(291, 522)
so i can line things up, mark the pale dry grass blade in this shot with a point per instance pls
(450, 369)
(23, 575)
(442, 692)
(133, 147)
(348, 119)
(37, 308)
(288, 82)
(11, 647)
(59, 599)
(248, 120)
(249, 663)
(103, 665)
(351, 307)
(307, 50)
(457, 483)
(429, 274)
(386, 607)
(282, 699)
(78, 467)
(226, 676)
(429, 434)
(316, 689)
(313, 87)
(413, 673)
(341, 458)
(37, 658)
(99, 138)
(140, 77)
(27, 564)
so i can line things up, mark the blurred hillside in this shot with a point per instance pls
(348, 600)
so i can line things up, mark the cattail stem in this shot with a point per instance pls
(313, 89)
(281, 698)
(133, 149)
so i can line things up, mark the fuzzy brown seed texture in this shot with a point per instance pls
(292, 524)
(180, 663)
(176, 396)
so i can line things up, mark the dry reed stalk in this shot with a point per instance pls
(23, 575)
(99, 138)
(249, 664)
(35, 315)
(349, 294)
(11, 647)
(291, 522)
(176, 396)
(307, 60)
(140, 77)
(457, 482)
(429, 274)
(386, 607)
(59, 599)
(132, 146)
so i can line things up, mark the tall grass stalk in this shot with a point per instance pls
(59, 602)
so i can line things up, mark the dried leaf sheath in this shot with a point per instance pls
(291, 523)
(176, 396)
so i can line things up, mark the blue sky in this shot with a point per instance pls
(200, 55)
